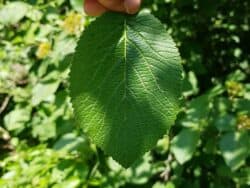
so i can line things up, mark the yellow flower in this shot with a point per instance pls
(234, 89)
(73, 23)
(243, 122)
(43, 50)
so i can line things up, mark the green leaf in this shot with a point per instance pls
(235, 148)
(242, 104)
(42, 91)
(62, 47)
(13, 12)
(17, 119)
(77, 5)
(226, 122)
(197, 112)
(184, 144)
(125, 84)
(141, 171)
(44, 131)
(72, 142)
(164, 185)
(190, 84)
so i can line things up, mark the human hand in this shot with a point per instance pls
(98, 7)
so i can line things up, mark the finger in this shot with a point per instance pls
(132, 6)
(114, 5)
(93, 8)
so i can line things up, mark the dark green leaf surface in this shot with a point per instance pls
(235, 148)
(126, 84)
(184, 144)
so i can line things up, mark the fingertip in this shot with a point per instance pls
(132, 6)
(93, 8)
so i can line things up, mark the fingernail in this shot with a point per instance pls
(132, 6)
(126, 5)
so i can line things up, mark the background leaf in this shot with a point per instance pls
(13, 12)
(235, 149)
(184, 144)
(77, 5)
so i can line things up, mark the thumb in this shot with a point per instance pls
(132, 6)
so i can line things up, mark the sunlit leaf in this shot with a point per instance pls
(126, 84)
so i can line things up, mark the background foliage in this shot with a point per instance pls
(40, 145)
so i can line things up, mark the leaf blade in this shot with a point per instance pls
(127, 103)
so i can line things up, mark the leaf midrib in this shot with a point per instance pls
(125, 66)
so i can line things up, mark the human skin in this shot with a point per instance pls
(98, 7)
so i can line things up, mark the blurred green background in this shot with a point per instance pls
(40, 145)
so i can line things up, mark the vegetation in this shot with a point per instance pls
(42, 146)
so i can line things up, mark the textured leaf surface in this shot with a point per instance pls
(125, 84)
